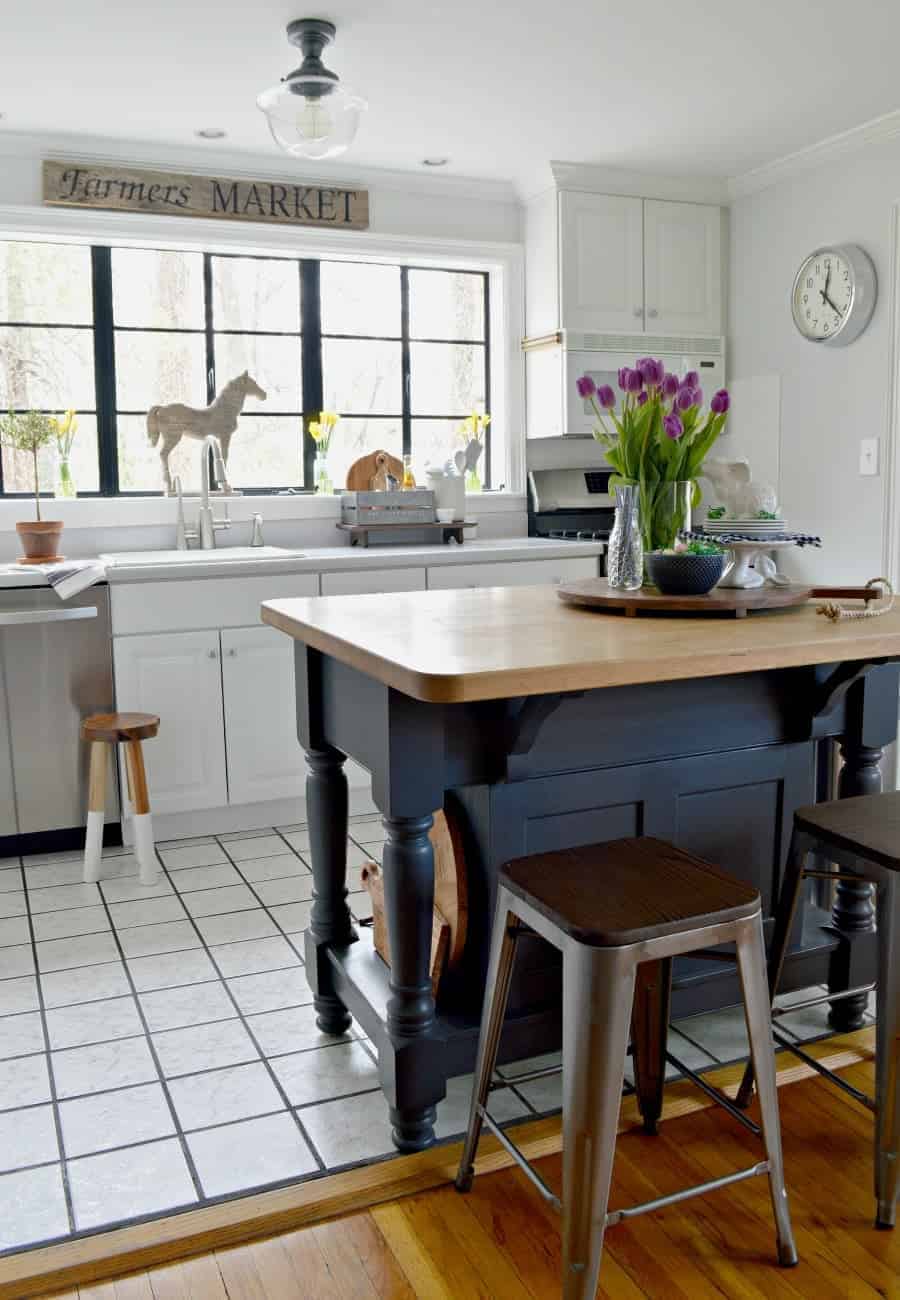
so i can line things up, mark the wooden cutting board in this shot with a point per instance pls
(736, 602)
(451, 909)
(362, 471)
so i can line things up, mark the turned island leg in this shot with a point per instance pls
(853, 912)
(330, 920)
(408, 873)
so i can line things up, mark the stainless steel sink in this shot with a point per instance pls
(220, 555)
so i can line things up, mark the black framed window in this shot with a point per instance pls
(401, 352)
(47, 355)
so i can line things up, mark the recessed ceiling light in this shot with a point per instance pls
(435, 162)
(211, 133)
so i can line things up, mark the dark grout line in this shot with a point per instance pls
(51, 1078)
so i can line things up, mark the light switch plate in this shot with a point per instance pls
(868, 456)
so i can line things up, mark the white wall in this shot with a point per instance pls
(801, 409)
(418, 204)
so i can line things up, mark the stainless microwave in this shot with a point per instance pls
(706, 356)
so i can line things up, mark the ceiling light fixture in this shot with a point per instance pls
(435, 162)
(211, 133)
(310, 114)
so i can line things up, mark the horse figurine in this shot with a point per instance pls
(173, 422)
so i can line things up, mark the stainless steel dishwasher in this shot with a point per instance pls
(55, 668)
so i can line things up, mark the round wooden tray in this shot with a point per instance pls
(596, 594)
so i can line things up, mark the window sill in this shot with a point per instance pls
(148, 512)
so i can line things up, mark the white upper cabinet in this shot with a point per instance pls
(265, 760)
(608, 263)
(682, 268)
(601, 262)
(177, 675)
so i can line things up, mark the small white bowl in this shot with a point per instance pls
(446, 515)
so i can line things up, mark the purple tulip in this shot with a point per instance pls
(685, 399)
(691, 380)
(720, 402)
(698, 396)
(673, 427)
(669, 385)
(652, 372)
(634, 381)
(606, 397)
(642, 398)
(586, 386)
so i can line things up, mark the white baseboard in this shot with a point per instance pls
(247, 817)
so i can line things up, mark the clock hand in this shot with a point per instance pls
(832, 305)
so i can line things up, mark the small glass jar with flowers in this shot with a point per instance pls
(656, 437)
(321, 432)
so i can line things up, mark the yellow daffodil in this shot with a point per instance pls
(66, 427)
(474, 426)
(321, 430)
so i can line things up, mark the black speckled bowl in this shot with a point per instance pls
(684, 575)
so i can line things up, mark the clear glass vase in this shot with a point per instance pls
(473, 481)
(65, 483)
(665, 512)
(625, 555)
(324, 485)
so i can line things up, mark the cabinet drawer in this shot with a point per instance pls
(372, 580)
(512, 573)
(201, 602)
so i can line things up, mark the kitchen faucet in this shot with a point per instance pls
(207, 524)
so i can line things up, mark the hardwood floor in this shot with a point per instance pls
(502, 1243)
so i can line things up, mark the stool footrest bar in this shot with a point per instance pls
(525, 1165)
(821, 998)
(824, 1071)
(719, 1097)
(515, 1080)
(616, 1216)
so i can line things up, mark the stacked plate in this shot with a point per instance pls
(746, 527)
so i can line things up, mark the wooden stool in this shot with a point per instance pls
(128, 729)
(609, 908)
(861, 836)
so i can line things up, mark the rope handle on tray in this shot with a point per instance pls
(882, 604)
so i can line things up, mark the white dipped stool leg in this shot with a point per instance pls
(144, 848)
(93, 843)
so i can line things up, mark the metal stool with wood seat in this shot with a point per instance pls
(608, 908)
(861, 836)
(103, 730)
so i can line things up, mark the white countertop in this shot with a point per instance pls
(331, 559)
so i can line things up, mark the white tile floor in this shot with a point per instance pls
(158, 1045)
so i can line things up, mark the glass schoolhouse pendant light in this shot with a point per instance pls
(310, 114)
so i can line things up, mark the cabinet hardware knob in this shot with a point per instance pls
(212, 654)
(653, 312)
(638, 311)
(232, 653)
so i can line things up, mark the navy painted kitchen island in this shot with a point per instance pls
(544, 726)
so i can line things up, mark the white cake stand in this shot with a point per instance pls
(752, 567)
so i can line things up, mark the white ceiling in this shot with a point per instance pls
(702, 87)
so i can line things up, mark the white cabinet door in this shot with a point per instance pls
(177, 675)
(683, 268)
(265, 759)
(512, 573)
(360, 582)
(601, 264)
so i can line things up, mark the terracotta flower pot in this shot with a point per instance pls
(40, 541)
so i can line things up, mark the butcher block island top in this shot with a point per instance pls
(448, 647)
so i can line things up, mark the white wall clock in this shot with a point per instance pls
(834, 295)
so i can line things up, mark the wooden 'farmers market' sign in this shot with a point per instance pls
(129, 189)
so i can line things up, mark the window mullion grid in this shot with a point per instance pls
(208, 328)
(105, 370)
(406, 416)
(311, 358)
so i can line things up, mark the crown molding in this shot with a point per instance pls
(859, 137)
(599, 179)
(244, 164)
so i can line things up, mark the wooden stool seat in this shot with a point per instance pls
(628, 891)
(867, 826)
(117, 728)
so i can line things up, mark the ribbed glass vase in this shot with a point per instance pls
(625, 555)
